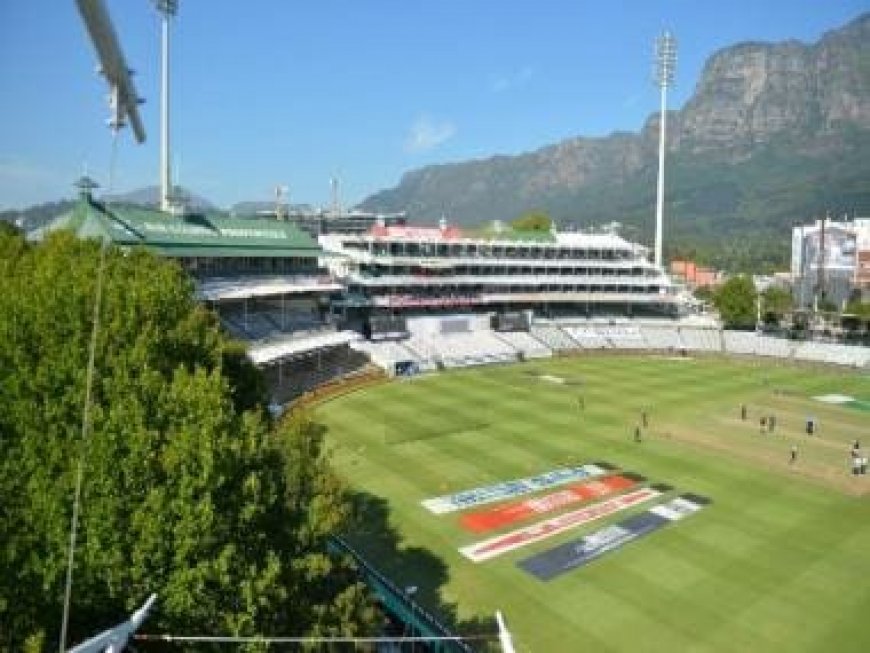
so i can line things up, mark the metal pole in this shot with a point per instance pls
(660, 186)
(165, 190)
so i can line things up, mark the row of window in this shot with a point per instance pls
(519, 288)
(505, 271)
(483, 250)
(205, 266)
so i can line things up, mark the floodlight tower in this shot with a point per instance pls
(666, 65)
(167, 9)
(335, 183)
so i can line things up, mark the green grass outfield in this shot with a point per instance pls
(780, 561)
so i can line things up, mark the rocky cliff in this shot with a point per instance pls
(773, 133)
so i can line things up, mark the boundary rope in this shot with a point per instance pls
(218, 639)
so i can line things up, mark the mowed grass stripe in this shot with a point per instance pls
(770, 553)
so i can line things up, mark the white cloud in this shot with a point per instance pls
(513, 80)
(427, 132)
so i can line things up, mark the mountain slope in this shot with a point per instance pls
(774, 133)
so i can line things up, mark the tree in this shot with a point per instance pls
(775, 303)
(533, 221)
(735, 301)
(190, 490)
(858, 308)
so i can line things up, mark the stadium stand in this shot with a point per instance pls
(588, 337)
(387, 353)
(552, 336)
(525, 344)
(622, 336)
(268, 352)
(461, 349)
(307, 370)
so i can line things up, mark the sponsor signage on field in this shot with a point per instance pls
(487, 520)
(509, 489)
(557, 561)
(495, 546)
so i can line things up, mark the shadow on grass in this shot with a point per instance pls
(374, 537)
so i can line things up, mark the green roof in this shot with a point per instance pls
(201, 234)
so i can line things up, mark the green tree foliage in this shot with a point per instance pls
(190, 491)
(735, 301)
(775, 304)
(859, 308)
(533, 221)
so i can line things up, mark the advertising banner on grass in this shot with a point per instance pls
(495, 546)
(511, 513)
(564, 558)
(509, 489)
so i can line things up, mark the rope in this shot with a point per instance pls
(86, 423)
(217, 639)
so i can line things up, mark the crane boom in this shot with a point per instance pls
(124, 99)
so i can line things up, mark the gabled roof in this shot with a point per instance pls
(201, 234)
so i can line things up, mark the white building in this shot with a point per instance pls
(829, 260)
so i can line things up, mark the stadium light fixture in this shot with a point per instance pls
(665, 68)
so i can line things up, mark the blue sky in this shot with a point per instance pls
(291, 92)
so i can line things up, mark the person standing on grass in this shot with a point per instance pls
(771, 423)
(794, 454)
(637, 433)
(743, 412)
(644, 418)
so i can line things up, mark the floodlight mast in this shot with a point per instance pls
(666, 65)
(167, 9)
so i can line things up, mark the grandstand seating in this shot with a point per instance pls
(386, 353)
(268, 324)
(296, 344)
(461, 349)
(319, 356)
(525, 343)
(312, 369)
(622, 336)
(588, 337)
(552, 336)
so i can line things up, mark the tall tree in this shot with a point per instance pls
(190, 491)
(735, 301)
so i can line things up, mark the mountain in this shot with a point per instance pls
(36, 216)
(773, 134)
(150, 196)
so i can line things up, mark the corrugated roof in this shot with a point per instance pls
(204, 234)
